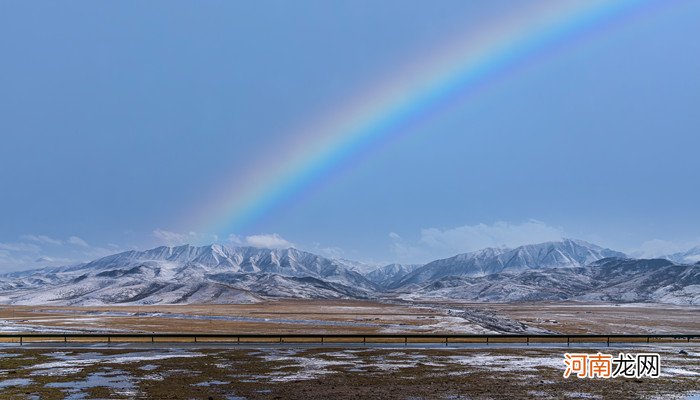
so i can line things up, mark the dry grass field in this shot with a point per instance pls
(338, 316)
(288, 316)
(574, 317)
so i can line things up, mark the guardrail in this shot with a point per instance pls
(349, 338)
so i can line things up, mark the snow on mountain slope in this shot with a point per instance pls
(609, 280)
(284, 286)
(389, 274)
(566, 253)
(689, 257)
(199, 261)
(187, 274)
(357, 266)
(217, 274)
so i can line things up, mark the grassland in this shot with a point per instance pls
(313, 316)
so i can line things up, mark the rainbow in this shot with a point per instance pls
(321, 147)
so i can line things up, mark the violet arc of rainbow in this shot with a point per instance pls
(321, 147)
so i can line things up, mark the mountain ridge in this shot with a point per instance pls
(222, 274)
(564, 253)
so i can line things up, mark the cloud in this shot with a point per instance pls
(74, 240)
(170, 238)
(42, 251)
(20, 247)
(437, 243)
(269, 241)
(19, 256)
(92, 253)
(328, 251)
(263, 240)
(692, 258)
(235, 240)
(43, 239)
(656, 248)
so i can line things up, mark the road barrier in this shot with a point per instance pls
(406, 339)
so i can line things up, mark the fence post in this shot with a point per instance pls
(608, 341)
(567, 341)
(528, 340)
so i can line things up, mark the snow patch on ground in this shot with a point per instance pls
(85, 359)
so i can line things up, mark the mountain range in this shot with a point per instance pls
(563, 270)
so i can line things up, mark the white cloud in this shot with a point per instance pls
(327, 251)
(235, 240)
(658, 248)
(25, 256)
(270, 241)
(74, 240)
(20, 247)
(171, 238)
(92, 253)
(42, 251)
(692, 258)
(43, 239)
(436, 243)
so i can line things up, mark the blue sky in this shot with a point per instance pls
(119, 118)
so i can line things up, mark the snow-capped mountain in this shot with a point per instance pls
(566, 253)
(186, 274)
(388, 275)
(357, 266)
(609, 280)
(217, 274)
(689, 257)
